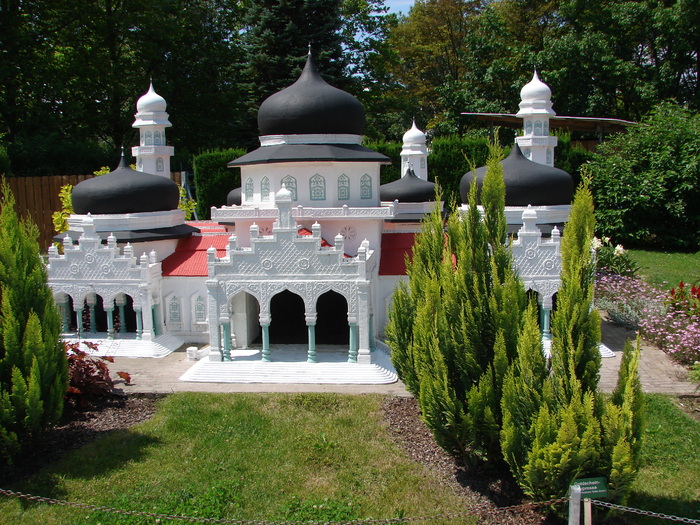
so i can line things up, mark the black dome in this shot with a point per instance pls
(526, 182)
(125, 191)
(234, 197)
(408, 188)
(311, 105)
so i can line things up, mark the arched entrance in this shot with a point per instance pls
(332, 319)
(245, 320)
(287, 319)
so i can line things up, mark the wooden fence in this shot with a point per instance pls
(37, 198)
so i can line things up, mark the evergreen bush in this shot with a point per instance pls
(213, 180)
(33, 366)
(4, 161)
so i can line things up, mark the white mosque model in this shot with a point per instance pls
(307, 252)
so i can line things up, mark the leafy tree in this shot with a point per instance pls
(646, 182)
(33, 366)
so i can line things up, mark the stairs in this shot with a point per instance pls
(126, 345)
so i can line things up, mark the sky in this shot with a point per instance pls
(399, 6)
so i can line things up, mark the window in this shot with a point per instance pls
(156, 138)
(528, 127)
(200, 310)
(174, 310)
(343, 188)
(317, 188)
(291, 184)
(249, 189)
(149, 138)
(265, 189)
(545, 128)
(538, 127)
(160, 166)
(366, 187)
(549, 155)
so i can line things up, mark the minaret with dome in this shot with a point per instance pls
(414, 154)
(536, 143)
(152, 154)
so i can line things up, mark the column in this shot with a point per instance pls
(65, 315)
(352, 353)
(225, 323)
(93, 323)
(110, 322)
(213, 314)
(122, 319)
(265, 341)
(362, 328)
(545, 315)
(79, 320)
(139, 323)
(371, 332)
(311, 327)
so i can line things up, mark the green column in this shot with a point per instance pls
(545, 314)
(139, 323)
(93, 324)
(79, 321)
(110, 323)
(352, 354)
(265, 342)
(226, 328)
(311, 358)
(122, 319)
(65, 316)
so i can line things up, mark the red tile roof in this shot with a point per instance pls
(395, 248)
(190, 257)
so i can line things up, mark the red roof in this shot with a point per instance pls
(395, 248)
(306, 232)
(190, 257)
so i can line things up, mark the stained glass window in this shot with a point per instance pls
(366, 187)
(317, 188)
(343, 188)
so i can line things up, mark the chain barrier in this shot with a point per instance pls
(367, 521)
(659, 515)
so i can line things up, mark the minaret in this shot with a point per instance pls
(414, 154)
(536, 109)
(152, 155)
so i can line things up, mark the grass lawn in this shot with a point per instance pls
(667, 269)
(301, 457)
(269, 457)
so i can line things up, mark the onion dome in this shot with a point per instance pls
(526, 182)
(151, 102)
(414, 136)
(408, 188)
(311, 106)
(125, 191)
(536, 91)
(234, 197)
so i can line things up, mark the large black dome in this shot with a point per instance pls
(409, 188)
(125, 191)
(311, 106)
(526, 182)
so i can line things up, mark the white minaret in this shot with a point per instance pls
(152, 155)
(535, 109)
(414, 154)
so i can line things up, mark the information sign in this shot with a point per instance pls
(593, 487)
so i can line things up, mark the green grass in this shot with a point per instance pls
(669, 480)
(667, 269)
(270, 457)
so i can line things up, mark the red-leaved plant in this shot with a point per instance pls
(88, 375)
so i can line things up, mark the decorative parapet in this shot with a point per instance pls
(233, 213)
(537, 260)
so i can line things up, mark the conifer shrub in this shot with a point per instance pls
(33, 366)
(213, 180)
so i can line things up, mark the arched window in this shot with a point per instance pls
(317, 188)
(343, 188)
(156, 138)
(265, 189)
(538, 127)
(200, 310)
(366, 187)
(160, 166)
(249, 189)
(174, 310)
(528, 127)
(149, 138)
(527, 152)
(545, 128)
(549, 155)
(291, 184)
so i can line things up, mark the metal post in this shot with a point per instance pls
(575, 505)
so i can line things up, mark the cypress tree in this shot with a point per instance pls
(33, 365)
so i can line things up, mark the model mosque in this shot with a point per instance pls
(306, 252)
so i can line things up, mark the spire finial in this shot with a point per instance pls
(309, 48)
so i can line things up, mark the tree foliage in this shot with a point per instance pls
(647, 182)
(33, 367)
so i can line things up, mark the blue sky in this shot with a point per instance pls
(398, 6)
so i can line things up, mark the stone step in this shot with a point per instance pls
(126, 345)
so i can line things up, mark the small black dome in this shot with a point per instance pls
(408, 188)
(526, 182)
(125, 191)
(234, 197)
(311, 106)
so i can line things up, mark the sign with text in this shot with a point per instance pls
(593, 487)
